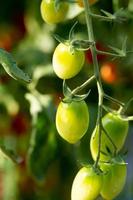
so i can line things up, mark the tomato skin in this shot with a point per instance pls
(65, 63)
(114, 180)
(72, 120)
(109, 73)
(86, 185)
(50, 15)
(116, 128)
(91, 2)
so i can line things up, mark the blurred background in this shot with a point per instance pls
(45, 164)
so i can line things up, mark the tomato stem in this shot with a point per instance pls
(104, 18)
(96, 73)
(106, 133)
(81, 87)
(114, 100)
(121, 55)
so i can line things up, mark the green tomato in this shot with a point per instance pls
(117, 130)
(86, 185)
(67, 64)
(50, 14)
(72, 120)
(113, 180)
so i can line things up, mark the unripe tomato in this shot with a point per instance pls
(91, 2)
(67, 64)
(72, 120)
(117, 130)
(50, 14)
(108, 72)
(86, 185)
(113, 180)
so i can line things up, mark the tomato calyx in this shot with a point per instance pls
(75, 44)
(70, 96)
(114, 160)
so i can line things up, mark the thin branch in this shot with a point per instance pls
(79, 88)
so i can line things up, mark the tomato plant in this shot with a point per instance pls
(51, 14)
(86, 185)
(67, 63)
(117, 130)
(113, 180)
(72, 120)
(109, 72)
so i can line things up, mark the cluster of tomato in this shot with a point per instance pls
(89, 183)
(72, 122)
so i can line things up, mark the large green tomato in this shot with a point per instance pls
(113, 180)
(50, 14)
(72, 120)
(117, 130)
(66, 63)
(86, 185)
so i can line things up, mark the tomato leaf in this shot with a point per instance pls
(10, 66)
(9, 153)
(43, 145)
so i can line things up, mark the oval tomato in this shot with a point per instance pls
(117, 130)
(86, 185)
(67, 64)
(72, 120)
(108, 72)
(91, 2)
(52, 15)
(113, 180)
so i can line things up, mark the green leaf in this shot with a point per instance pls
(10, 154)
(42, 150)
(10, 66)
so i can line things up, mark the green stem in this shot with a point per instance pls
(113, 100)
(81, 87)
(123, 109)
(104, 18)
(108, 136)
(96, 72)
(110, 54)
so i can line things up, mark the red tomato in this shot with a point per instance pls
(19, 124)
(109, 72)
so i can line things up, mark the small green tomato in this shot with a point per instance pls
(50, 14)
(117, 130)
(66, 63)
(72, 120)
(113, 180)
(86, 185)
